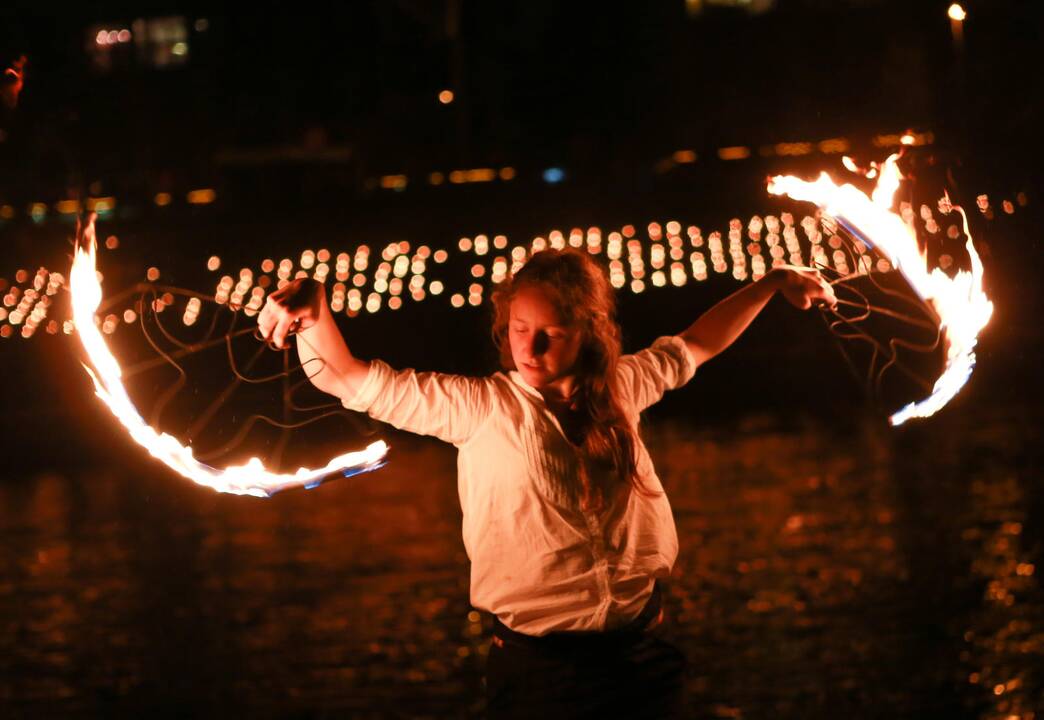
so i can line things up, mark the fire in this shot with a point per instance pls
(251, 478)
(961, 305)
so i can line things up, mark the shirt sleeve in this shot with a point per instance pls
(646, 375)
(449, 407)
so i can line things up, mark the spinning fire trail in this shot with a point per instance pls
(959, 302)
(252, 478)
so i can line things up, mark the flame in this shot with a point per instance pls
(961, 305)
(251, 478)
(850, 165)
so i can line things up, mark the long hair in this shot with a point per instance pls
(579, 289)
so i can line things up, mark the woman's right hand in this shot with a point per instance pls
(294, 307)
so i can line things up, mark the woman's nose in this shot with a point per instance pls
(539, 344)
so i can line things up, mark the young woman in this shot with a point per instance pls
(564, 520)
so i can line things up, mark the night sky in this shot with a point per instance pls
(603, 88)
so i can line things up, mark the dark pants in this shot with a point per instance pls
(632, 674)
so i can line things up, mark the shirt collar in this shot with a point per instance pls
(516, 377)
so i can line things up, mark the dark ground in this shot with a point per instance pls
(825, 570)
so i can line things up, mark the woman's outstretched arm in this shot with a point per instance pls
(719, 327)
(301, 307)
(450, 407)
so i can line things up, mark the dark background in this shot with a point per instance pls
(605, 90)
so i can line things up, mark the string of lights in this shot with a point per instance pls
(373, 279)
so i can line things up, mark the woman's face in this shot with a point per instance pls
(543, 346)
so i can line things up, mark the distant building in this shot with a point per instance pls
(694, 8)
(160, 42)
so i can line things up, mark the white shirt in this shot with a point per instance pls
(539, 562)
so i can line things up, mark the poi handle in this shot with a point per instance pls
(309, 484)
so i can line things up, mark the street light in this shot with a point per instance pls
(957, 16)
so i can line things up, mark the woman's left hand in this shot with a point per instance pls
(803, 287)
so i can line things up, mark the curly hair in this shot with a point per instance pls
(580, 290)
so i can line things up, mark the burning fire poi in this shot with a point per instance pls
(252, 478)
(960, 303)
